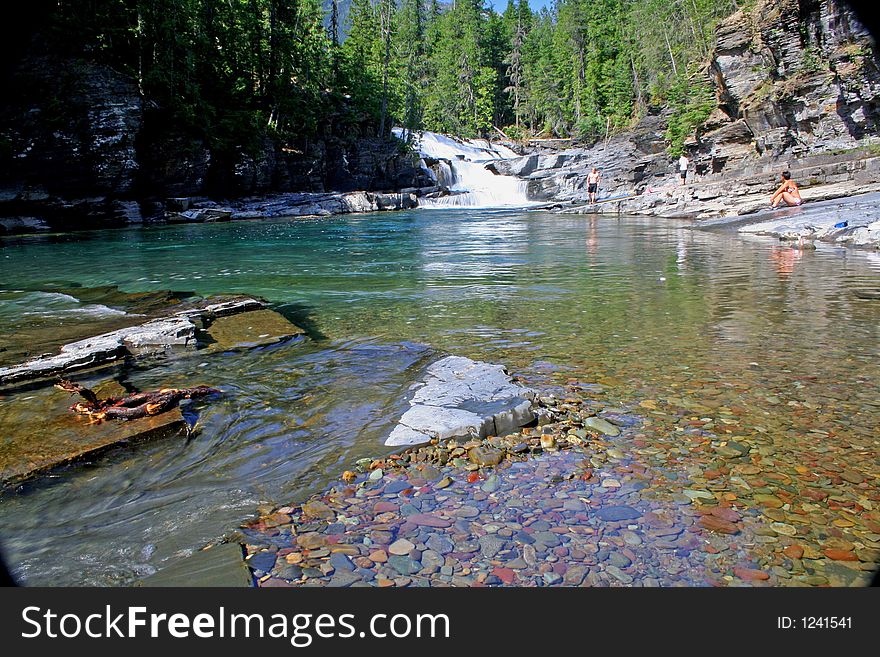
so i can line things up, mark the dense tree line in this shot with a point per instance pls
(586, 68)
(237, 68)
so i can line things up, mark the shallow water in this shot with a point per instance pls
(770, 341)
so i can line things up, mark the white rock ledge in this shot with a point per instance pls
(461, 397)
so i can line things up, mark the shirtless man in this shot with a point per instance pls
(593, 184)
(787, 192)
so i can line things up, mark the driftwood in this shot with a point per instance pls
(130, 407)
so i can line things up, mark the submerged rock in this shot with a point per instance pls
(602, 426)
(257, 328)
(460, 397)
(222, 565)
(64, 437)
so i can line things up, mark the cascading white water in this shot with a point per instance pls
(466, 172)
(445, 174)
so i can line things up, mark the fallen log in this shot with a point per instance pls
(130, 407)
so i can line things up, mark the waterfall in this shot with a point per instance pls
(462, 168)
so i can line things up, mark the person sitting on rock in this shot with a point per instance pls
(593, 184)
(787, 192)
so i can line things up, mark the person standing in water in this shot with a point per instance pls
(683, 164)
(593, 184)
(787, 192)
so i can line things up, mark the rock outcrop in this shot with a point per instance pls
(855, 222)
(68, 134)
(307, 205)
(792, 78)
(461, 397)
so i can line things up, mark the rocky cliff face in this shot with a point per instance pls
(79, 147)
(68, 143)
(793, 78)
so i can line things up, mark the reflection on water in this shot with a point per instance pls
(647, 308)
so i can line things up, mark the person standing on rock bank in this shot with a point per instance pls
(593, 184)
(787, 192)
(683, 164)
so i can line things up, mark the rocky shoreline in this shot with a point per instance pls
(578, 499)
(850, 222)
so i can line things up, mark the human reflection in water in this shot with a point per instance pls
(681, 253)
(593, 236)
(785, 258)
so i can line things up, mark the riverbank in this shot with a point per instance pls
(712, 197)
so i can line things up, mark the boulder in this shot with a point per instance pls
(460, 397)
(200, 215)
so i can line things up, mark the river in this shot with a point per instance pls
(645, 309)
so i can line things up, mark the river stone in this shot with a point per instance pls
(262, 561)
(485, 455)
(459, 397)
(617, 513)
(404, 565)
(345, 579)
(602, 426)
(548, 539)
(317, 509)
(310, 540)
(401, 547)
(341, 562)
(619, 559)
(552, 578)
(698, 494)
(431, 561)
(428, 520)
(397, 486)
(491, 484)
(523, 537)
(619, 575)
(490, 545)
(288, 570)
(440, 544)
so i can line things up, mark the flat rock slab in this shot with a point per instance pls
(459, 397)
(157, 336)
(42, 433)
(257, 328)
(222, 565)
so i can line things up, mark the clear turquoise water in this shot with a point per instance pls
(647, 307)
